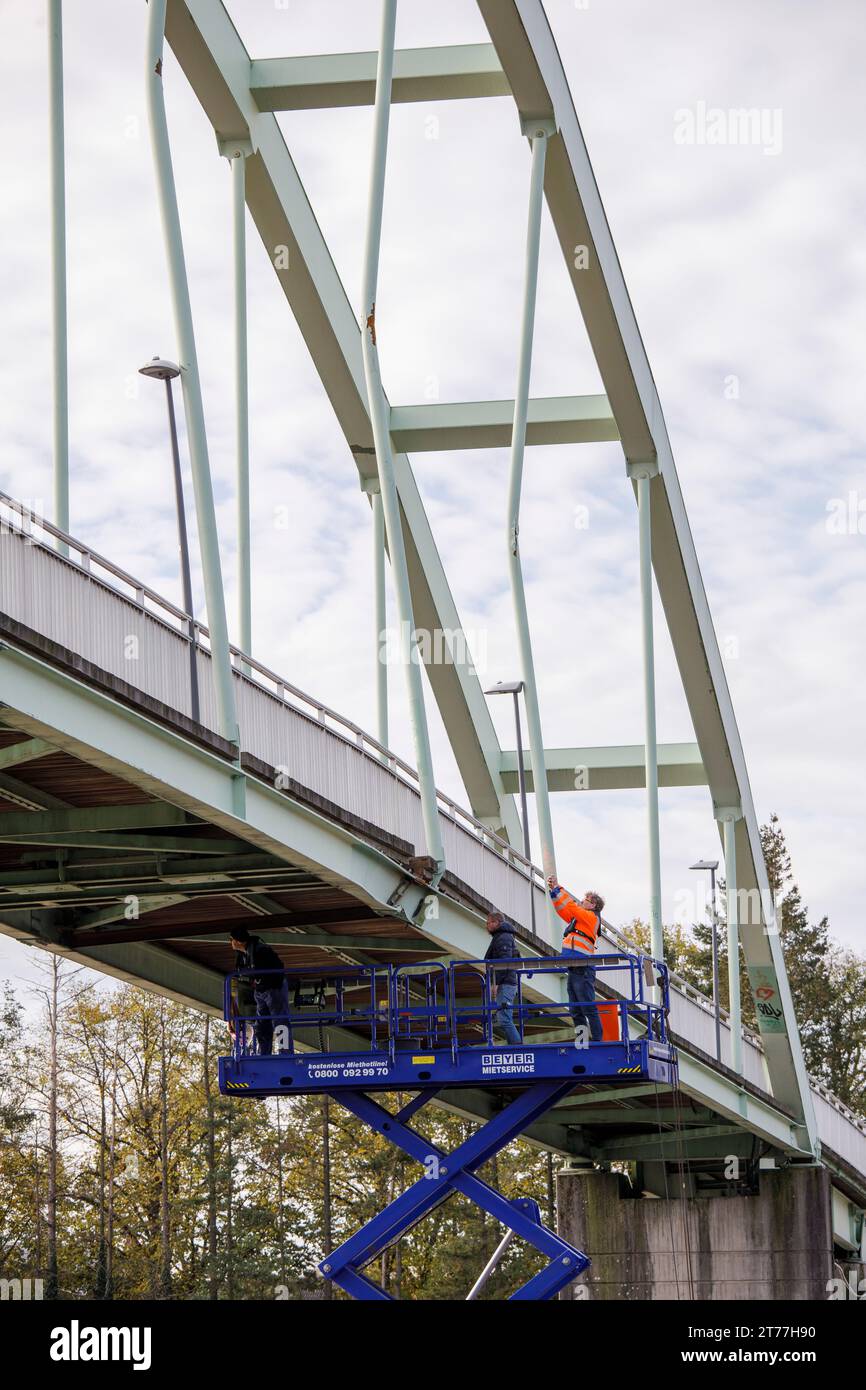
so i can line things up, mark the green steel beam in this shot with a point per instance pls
(25, 752)
(12, 789)
(538, 137)
(293, 928)
(349, 79)
(609, 769)
(302, 939)
(85, 871)
(60, 354)
(669, 1115)
(101, 894)
(675, 1149)
(78, 897)
(117, 912)
(155, 968)
(729, 840)
(641, 475)
(379, 419)
(847, 1222)
(618, 1093)
(259, 903)
(238, 161)
(72, 819)
(380, 610)
(104, 839)
(730, 1100)
(487, 424)
(635, 1146)
(202, 481)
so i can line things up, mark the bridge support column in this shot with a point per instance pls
(380, 421)
(237, 153)
(227, 718)
(380, 615)
(775, 1245)
(58, 270)
(538, 132)
(641, 474)
(728, 817)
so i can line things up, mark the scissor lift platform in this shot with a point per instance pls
(419, 1070)
(425, 1028)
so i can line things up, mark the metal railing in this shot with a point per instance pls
(430, 1005)
(101, 570)
(853, 1118)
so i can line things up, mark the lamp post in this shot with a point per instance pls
(514, 688)
(167, 371)
(712, 865)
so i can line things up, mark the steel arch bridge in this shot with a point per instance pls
(262, 806)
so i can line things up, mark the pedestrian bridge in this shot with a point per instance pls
(110, 791)
(138, 823)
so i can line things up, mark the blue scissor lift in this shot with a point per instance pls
(428, 1027)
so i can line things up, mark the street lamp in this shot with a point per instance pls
(167, 371)
(514, 688)
(712, 865)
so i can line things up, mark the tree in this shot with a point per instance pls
(827, 984)
(844, 1069)
(806, 948)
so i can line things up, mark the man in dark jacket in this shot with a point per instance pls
(503, 983)
(270, 992)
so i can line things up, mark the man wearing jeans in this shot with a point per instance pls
(503, 983)
(580, 938)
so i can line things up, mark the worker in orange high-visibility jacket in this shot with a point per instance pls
(580, 938)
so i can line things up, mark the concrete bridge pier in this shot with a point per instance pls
(776, 1244)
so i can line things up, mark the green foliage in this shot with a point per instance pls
(14, 1116)
(165, 1189)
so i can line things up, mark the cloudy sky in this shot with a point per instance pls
(747, 275)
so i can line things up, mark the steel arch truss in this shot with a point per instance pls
(240, 97)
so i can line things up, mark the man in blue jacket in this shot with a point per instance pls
(503, 983)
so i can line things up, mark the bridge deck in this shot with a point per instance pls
(124, 834)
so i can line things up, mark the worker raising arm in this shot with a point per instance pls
(580, 937)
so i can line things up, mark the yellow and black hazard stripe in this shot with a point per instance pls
(627, 1071)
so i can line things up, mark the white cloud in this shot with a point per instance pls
(738, 264)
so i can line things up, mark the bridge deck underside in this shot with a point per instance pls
(96, 862)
